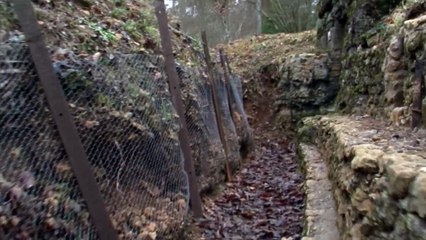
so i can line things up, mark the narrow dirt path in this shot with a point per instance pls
(265, 200)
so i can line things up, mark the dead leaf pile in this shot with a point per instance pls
(265, 200)
(257, 59)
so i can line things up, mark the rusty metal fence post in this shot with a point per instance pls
(173, 82)
(67, 130)
(218, 113)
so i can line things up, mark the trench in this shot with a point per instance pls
(265, 199)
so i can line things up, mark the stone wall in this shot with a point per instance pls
(378, 174)
(372, 48)
(378, 52)
(362, 85)
(305, 86)
(349, 20)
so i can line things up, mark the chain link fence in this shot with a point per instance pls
(123, 111)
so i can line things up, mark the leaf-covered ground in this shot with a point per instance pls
(248, 56)
(89, 26)
(265, 200)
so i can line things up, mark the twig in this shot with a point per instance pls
(122, 165)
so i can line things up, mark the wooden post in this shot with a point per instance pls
(64, 120)
(227, 72)
(228, 66)
(173, 82)
(227, 80)
(218, 113)
(419, 92)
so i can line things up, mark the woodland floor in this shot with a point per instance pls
(265, 199)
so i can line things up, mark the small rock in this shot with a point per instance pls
(395, 49)
(392, 65)
(358, 197)
(414, 40)
(400, 177)
(366, 207)
(418, 192)
(416, 226)
(399, 75)
(366, 158)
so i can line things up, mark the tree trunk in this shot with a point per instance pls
(259, 16)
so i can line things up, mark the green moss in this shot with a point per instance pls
(103, 100)
(119, 13)
(106, 34)
(305, 132)
(131, 27)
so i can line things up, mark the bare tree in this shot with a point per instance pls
(289, 15)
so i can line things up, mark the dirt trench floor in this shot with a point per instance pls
(265, 200)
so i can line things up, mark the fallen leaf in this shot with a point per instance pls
(91, 124)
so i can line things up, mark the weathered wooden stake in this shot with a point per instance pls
(173, 82)
(228, 66)
(227, 80)
(64, 121)
(227, 72)
(218, 112)
(419, 88)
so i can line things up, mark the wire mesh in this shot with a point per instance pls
(39, 195)
(239, 116)
(207, 150)
(130, 132)
(122, 109)
(229, 127)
